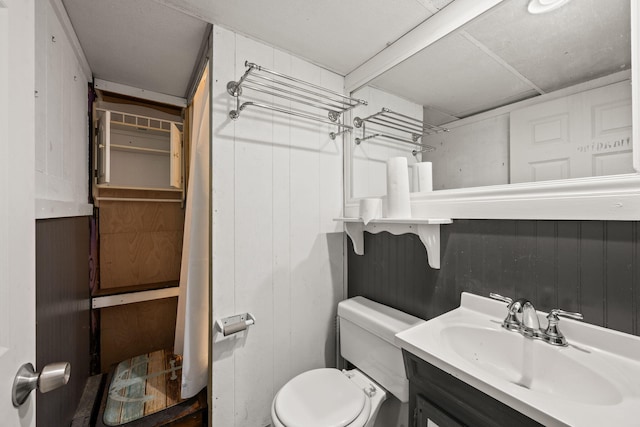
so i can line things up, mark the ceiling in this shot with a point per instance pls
(154, 44)
(503, 56)
(508, 54)
(138, 43)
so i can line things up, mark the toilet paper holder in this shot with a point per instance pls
(234, 324)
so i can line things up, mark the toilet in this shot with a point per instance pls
(329, 397)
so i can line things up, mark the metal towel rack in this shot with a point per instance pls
(261, 79)
(424, 149)
(400, 122)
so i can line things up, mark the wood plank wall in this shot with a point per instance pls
(134, 329)
(62, 312)
(587, 266)
(140, 243)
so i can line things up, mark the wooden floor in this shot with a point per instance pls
(145, 391)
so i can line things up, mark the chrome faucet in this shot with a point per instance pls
(523, 318)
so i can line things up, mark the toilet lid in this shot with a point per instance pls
(319, 398)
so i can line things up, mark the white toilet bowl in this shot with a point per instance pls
(328, 398)
(332, 398)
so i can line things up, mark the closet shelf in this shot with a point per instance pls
(427, 229)
(140, 149)
(111, 297)
(278, 85)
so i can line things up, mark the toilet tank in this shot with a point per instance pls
(367, 340)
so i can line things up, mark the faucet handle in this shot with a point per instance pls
(553, 335)
(501, 298)
(510, 322)
(557, 312)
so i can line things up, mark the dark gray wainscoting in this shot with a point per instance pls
(62, 312)
(588, 266)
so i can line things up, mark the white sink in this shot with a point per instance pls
(594, 381)
(531, 364)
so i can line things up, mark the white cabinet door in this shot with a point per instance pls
(586, 134)
(17, 203)
(104, 147)
(176, 157)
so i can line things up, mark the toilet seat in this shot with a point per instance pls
(321, 398)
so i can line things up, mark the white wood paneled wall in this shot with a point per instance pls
(276, 251)
(62, 153)
(474, 154)
(369, 159)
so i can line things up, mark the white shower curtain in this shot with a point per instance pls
(192, 323)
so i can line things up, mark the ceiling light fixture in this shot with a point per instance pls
(537, 7)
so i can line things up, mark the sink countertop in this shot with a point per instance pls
(595, 381)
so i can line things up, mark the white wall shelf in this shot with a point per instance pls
(427, 229)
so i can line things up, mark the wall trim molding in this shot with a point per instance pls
(47, 209)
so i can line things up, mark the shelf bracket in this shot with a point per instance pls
(429, 234)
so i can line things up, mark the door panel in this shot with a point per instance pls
(585, 134)
(17, 204)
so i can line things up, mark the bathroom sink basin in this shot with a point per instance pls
(594, 381)
(530, 364)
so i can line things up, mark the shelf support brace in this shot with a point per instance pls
(355, 231)
(429, 235)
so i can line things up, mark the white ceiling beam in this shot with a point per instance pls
(433, 29)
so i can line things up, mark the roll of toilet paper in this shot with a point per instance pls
(398, 202)
(370, 208)
(385, 207)
(236, 327)
(422, 177)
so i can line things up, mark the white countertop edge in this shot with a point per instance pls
(582, 334)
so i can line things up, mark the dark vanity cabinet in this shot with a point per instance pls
(437, 398)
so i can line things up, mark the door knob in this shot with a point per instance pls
(53, 375)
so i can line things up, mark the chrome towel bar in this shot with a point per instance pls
(278, 85)
(397, 121)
